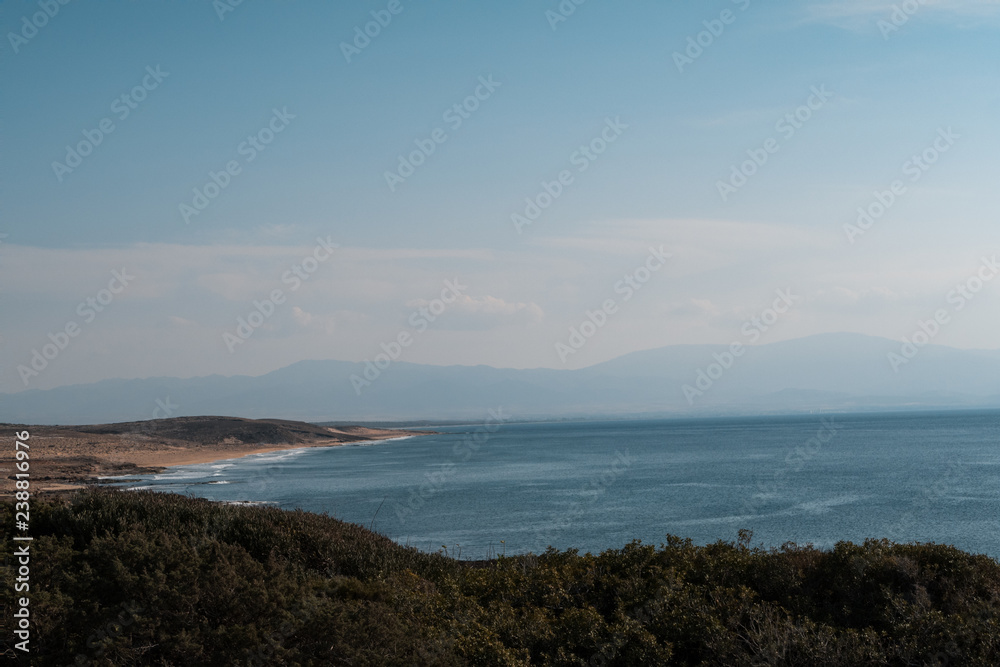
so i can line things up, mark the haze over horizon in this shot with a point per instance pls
(567, 178)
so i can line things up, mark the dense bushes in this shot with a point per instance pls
(150, 579)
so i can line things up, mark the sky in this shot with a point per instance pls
(196, 188)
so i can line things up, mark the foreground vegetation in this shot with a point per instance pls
(151, 579)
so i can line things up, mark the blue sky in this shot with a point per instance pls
(324, 176)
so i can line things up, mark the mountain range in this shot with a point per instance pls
(828, 372)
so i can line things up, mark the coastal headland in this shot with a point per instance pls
(64, 458)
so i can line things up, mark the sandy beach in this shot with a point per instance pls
(64, 458)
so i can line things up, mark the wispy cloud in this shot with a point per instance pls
(862, 14)
(518, 301)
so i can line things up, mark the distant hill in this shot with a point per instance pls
(210, 430)
(68, 457)
(843, 372)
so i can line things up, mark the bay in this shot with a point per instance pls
(808, 479)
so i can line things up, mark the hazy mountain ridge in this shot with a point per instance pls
(824, 372)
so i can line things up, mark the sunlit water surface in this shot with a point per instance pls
(598, 485)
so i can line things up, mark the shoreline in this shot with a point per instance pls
(65, 459)
(163, 460)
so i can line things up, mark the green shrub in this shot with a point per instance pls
(123, 578)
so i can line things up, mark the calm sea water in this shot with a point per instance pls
(597, 485)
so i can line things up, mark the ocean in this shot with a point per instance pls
(482, 490)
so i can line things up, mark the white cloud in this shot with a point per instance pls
(518, 302)
(302, 317)
(694, 308)
(860, 14)
(484, 312)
